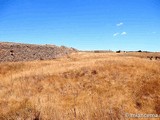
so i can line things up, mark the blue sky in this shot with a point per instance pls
(83, 24)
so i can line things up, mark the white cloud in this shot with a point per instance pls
(115, 34)
(123, 33)
(120, 24)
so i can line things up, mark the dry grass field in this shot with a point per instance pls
(81, 86)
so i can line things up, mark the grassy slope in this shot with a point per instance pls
(83, 86)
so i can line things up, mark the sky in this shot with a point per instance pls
(83, 24)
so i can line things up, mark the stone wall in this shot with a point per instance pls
(12, 52)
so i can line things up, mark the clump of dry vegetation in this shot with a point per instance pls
(82, 86)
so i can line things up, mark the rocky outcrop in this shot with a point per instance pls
(12, 52)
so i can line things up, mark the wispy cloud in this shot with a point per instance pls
(120, 24)
(115, 34)
(123, 33)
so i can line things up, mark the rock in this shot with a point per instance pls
(29, 52)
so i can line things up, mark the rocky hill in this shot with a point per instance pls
(12, 52)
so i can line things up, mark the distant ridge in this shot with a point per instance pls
(12, 52)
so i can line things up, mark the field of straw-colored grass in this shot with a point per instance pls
(81, 86)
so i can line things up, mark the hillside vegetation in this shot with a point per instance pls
(80, 86)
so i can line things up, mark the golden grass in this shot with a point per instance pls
(82, 86)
